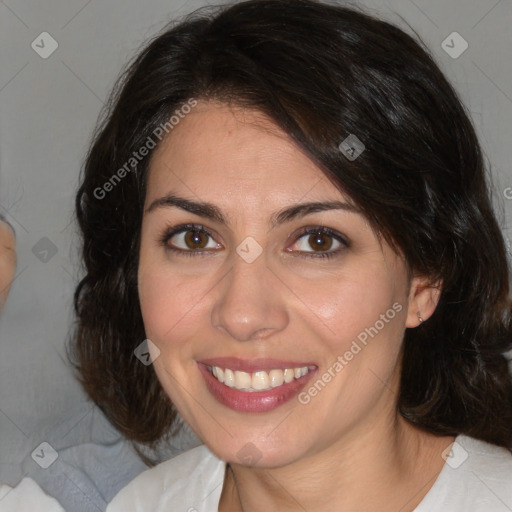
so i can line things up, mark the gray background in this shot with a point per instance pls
(49, 108)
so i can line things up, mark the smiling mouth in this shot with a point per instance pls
(261, 380)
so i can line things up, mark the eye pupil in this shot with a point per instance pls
(317, 242)
(193, 239)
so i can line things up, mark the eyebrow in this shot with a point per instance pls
(212, 212)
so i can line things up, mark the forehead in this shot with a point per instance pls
(220, 152)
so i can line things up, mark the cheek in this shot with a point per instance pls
(348, 303)
(157, 300)
(161, 303)
(170, 303)
(362, 346)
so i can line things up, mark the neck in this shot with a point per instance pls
(357, 474)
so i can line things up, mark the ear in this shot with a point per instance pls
(423, 299)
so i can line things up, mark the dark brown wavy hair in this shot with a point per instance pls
(321, 72)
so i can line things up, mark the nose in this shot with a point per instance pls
(250, 302)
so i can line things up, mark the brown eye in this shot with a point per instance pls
(320, 242)
(188, 239)
(196, 239)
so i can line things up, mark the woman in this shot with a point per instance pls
(286, 212)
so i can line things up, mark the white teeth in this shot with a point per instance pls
(289, 375)
(276, 378)
(260, 380)
(229, 378)
(242, 380)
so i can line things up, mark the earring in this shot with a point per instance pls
(419, 317)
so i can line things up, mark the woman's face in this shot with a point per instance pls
(254, 288)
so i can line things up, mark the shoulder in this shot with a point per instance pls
(192, 480)
(477, 477)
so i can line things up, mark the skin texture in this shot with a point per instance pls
(7, 260)
(347, 449)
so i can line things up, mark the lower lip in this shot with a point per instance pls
(256, 401)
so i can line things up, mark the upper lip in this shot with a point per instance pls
(253, 365)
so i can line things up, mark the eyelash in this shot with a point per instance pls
(322, 230)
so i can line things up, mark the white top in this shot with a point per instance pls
(476, 477)
(27, 496)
